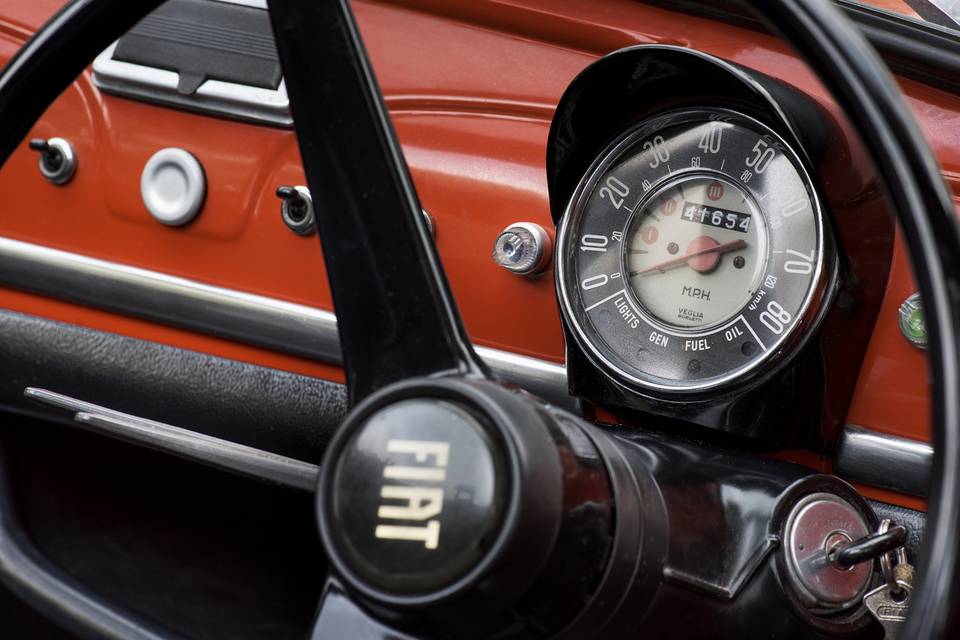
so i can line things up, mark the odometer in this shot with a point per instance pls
(692, 252)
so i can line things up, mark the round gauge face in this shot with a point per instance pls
(692, 252)
(711, 257)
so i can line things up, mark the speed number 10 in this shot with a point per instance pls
(597, 243)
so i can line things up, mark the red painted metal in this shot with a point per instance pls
(471, 85)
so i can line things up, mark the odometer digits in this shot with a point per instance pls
(715, 216)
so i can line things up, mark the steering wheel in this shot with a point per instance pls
(564, 530)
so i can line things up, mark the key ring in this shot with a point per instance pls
(886, 561)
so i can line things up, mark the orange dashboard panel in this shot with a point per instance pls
(471, 87)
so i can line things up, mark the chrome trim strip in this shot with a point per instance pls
(256, 4)
(261, 321)
(547, 380)
(286, 327)
(183, 443)
(883, 460)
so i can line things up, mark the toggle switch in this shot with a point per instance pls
(58, 162)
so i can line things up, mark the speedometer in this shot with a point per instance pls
(692, 252)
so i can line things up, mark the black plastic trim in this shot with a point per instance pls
(276, 411)
(203, 41)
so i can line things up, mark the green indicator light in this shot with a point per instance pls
(912, 324)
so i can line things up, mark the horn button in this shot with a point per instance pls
(416, 497)
(465, 508)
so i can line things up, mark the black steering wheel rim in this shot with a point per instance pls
(844, 62)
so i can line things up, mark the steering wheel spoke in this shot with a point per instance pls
(397, 318)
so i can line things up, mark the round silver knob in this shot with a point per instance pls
(173, 186)
(523, 248)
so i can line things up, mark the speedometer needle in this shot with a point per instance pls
(733, 245)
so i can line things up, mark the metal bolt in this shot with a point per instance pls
(523, 248)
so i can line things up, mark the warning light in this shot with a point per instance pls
(715, 190)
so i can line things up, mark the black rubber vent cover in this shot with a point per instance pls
(205, 40)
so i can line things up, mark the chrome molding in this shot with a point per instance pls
(183, 443)
(286, 327)
(884, 460)
(547, 380)
(256, 4)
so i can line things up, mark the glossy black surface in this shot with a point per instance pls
(339, 617)
(577, 566)
(523, 510)
(800, 396)
(720, 508)
(396, 316)
(417, 495)
(696, 530)
(723, 573)
(871, 547)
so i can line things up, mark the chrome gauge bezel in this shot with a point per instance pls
(614, 365)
